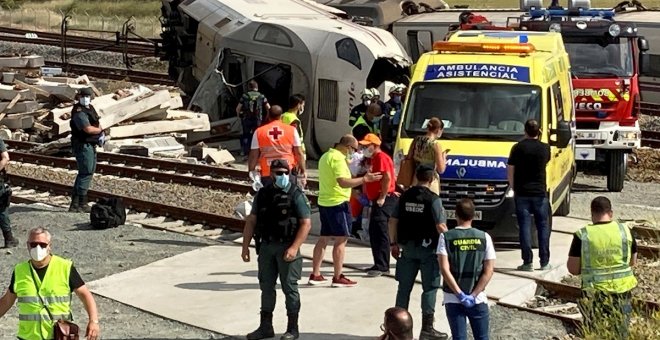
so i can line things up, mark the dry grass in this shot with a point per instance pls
(120, 8)
(515, 3)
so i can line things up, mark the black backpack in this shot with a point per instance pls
(108, 213)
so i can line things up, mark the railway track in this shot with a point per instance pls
(651, 139)
(131, 46)
(114, 73)
(159, 216)
(154, 175)
(568, 293)
(161, 165)
(640, 233)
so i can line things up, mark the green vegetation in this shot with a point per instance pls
(120, 8)
(604, 318)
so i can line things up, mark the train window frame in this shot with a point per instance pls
(352, 48)
(264, 29)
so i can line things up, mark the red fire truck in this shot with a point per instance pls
(606, 58)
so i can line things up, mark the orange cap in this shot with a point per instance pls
(370, 139)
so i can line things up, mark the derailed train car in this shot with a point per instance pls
(287, 46)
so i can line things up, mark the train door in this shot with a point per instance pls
(274, 81)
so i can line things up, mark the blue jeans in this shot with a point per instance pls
(538, 206)
(478, 315)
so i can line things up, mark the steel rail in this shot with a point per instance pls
(160, 164)
(133, 47)
(142, 174)
(651, 139)
(184, 214)
(115, 73)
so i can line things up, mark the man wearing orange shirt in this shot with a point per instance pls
(384, 199)
(276, 140)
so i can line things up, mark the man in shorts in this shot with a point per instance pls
(335, 185)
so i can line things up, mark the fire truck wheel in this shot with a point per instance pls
(616, 170)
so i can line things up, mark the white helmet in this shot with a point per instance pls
(375, 91)
(367, 94)
(398, 89)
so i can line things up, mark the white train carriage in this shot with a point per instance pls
(288, 46)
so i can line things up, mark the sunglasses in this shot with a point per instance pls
(35, 244)
(280, 173)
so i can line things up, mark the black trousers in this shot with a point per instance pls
(378, 235)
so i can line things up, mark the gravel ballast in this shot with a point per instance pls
(185, 196)
(98, 254)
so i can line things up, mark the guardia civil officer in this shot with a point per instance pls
(414, 231)
(5, 196)
(279, 222)
(86, 134)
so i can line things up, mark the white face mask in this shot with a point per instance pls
(38, 254)
(368, 152)
(85, 101)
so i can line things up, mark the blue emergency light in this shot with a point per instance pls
(580, 12)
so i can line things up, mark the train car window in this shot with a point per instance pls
(348, 51)
(272, 35)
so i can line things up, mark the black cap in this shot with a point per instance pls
(86, 91)
(423, 168)
(279, 164)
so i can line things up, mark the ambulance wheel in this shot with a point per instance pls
(616, 170)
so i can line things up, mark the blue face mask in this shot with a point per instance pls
(396, 99)
(282, 181)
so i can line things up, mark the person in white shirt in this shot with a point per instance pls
(467, 262)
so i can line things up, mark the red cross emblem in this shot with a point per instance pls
(275, 133)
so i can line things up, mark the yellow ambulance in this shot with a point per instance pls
(484, 86)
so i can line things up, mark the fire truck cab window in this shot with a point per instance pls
(598, 57)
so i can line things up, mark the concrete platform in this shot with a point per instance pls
(213, 288)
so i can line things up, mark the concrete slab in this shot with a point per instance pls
(175, 121)
(224, 296)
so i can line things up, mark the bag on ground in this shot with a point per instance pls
(108, 213)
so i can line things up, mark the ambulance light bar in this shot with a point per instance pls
(445, 46)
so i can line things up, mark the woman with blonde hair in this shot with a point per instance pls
(426, 150)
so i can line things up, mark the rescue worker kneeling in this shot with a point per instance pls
(414, 230)
(279, 222)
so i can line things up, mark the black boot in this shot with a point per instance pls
(291, 328)
(83, 207)
(10, 240)
(428, 333)
(75, 203)
(265, 329)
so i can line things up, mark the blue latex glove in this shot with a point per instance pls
(466, 300)
(102, 139)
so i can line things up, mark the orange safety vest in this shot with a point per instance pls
(275, 142)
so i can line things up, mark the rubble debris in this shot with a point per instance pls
(35, 107)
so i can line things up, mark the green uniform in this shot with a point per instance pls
(83, 146)
(278, 212)
(5, 196)
(419, 212)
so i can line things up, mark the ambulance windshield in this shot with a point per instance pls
(596, 57)
(473, 110)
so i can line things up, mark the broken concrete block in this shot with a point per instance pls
(219, 157)
(5, 133)
(16, 122)
(175, 121)
(159, 113)
(153, 144)
(200, 152)
(28, 106)
(8, 77)
(31, 61)
(225, 127)
(8, 92)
